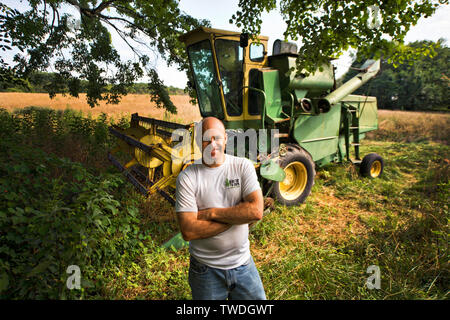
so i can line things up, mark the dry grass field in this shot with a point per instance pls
(132, 103)
(409, 126)
(400, 126)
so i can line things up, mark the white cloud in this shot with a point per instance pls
(432, 28)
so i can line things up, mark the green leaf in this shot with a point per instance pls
(4, 281)
(41, 267)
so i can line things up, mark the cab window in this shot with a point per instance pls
(230, 61)
(256, 52)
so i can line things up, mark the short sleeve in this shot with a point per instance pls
(249, 178)
(185, 194)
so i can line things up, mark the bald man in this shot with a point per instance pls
(215, 202)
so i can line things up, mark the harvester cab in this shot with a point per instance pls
(308, 121)
(246, 88)
(220, 67)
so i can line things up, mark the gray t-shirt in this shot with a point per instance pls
(201, 187)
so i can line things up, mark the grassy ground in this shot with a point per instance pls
(322, 248)
(318, 250)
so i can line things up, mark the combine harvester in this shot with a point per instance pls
(310, 121)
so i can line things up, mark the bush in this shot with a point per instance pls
(65, 133)
(55, 212)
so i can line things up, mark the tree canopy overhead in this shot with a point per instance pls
(328, 27)
(79, 46)
(75, 37)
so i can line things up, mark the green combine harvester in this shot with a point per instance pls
(314, 121)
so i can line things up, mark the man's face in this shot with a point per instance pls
(213, 146)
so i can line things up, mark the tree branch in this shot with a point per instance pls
(102, 6)
(91, 12)
(120, 33)
(86, 11)
(130, 12)
(103, 17)
(45, 11)
(53, 23)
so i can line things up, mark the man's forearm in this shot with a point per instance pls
(244, 212)
(198, 229)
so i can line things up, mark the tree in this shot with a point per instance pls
(420, 84)
(328, 27)
(80, 48)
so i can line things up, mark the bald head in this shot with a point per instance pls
(213, 142)
(212, 123)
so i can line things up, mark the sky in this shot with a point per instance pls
(219, 12)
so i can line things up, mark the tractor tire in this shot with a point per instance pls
(371, 166)
(300, 171)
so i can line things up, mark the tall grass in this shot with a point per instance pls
(404, 126)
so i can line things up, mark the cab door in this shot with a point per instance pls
(255, 58)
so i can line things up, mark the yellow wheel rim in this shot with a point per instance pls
(375, 170)
(144, 158)
(295, 181)
(134, 132)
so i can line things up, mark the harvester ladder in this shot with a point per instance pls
(355, 130)
(351, 128)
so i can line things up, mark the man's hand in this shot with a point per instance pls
(206, 214)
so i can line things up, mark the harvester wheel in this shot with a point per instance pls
(299, 168)
(372, 165)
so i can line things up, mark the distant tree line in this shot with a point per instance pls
(416, 84)
(43, 82)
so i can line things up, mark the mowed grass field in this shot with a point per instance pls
(320, 249)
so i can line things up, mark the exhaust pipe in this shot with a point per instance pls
(368, 70)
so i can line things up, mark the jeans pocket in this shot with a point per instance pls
(197, 267)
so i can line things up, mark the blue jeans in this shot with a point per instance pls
(241, 283)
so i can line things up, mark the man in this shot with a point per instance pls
(215, 202)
